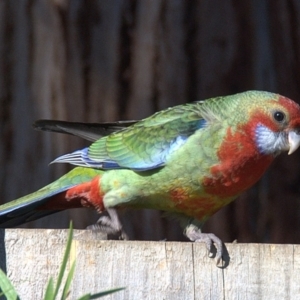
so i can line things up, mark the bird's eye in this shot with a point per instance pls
(279, 116)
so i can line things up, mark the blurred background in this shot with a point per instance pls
(108, 60)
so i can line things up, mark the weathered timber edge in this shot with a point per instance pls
(149, 270)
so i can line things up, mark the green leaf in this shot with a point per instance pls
(65, 260)
(7, 288)
(68, 282)
(49, 295)
(101, 294)
(85, 297)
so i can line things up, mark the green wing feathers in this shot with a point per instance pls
(147, 144)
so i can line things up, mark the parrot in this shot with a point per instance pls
(188, 161)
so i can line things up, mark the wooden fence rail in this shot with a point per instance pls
(149, 270)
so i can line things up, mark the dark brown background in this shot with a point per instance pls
(108, 60)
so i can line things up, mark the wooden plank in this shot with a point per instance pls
(149, 270)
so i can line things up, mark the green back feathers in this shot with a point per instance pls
(146, 144)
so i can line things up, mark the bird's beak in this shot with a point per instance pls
(294, 141)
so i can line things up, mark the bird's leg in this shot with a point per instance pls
(195, 234)
(110, 224)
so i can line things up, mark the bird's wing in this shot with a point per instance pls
(146, 144)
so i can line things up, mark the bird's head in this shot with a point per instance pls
(276, 125)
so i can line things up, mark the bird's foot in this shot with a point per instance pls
(110, 224)
(195, 234)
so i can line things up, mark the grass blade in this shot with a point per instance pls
(65, 260)
(49, 294)
(68, 282)
(7, 288)
(101, 294)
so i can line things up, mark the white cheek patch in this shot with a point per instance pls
(269, 142)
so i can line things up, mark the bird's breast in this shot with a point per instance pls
(240, 165)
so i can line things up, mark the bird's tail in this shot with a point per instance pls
(78, 188)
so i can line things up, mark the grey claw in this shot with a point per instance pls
(110, 224)
(195, 234)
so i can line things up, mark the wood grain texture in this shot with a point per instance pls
(150, 270)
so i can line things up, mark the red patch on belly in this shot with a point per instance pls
(194, 206)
